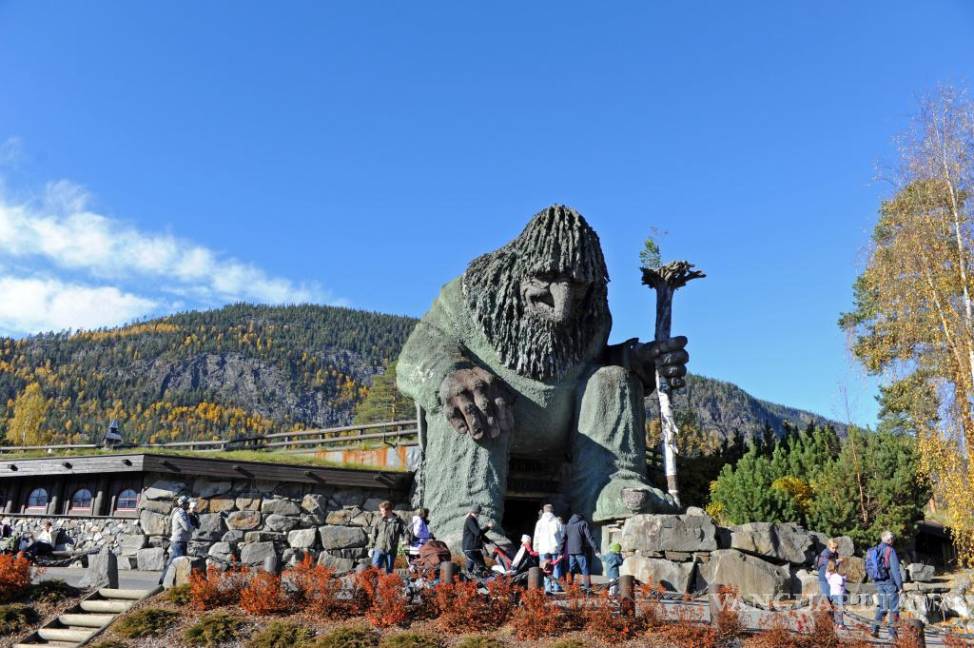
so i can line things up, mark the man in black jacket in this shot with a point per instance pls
(579, 545)
(473, 542)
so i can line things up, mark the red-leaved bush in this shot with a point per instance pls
(389, 606)
(461, 608)
(536, 616)
(609, 621)
(264, 595)
(14, 577)
(317, 589)
(214, 588)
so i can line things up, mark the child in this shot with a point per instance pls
(835, 574)
(612, 561)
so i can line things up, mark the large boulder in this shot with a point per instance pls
(805, 584)
(102, 570)
(129, 544)
(255, 553)
(855, 569)
(846, 546)
(151, 559)
(756, 579)
(211, 527)
(154, 524)
(339, 537)
(920, 573)
(780, 542)
(335, 563)
(316, 506)
(243, 520)
(302, 538)
(279, 506)
(163, 489)
(248, 501)
(216, 504)
(674, 576)
(180, 570)
(658, 533)
(276, 522)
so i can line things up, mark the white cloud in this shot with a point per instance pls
(32, 305)
(61, 229)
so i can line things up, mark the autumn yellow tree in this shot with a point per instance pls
(914, 319)
(30, 411)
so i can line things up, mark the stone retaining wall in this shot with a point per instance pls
(765, 562)
(244, 521)
(247, 521)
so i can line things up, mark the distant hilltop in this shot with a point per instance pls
(246, 369)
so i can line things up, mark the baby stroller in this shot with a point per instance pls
(515, 568)
(431, 554)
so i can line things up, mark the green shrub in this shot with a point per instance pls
(350, 637)
(410, 640)
(150, 622)
(179, 595)
(14, 618)
(282, 634)
(483, 641)
(569, 643)
(213, 629)
(52, 591)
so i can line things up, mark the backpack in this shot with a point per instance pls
(877, 566)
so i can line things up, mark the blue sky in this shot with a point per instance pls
(162, 156)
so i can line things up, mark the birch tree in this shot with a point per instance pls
(913, 321)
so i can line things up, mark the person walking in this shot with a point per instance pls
(549, 535)
(474, 537)
(181, 530)
(830, 552)
(579, 545)
(612, 561)
(387, 530)
(883, 568)
(419, 534)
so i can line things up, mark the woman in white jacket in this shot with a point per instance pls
(549, 537)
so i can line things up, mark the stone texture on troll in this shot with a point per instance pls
(513, 358)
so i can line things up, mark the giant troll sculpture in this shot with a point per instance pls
(512, 358)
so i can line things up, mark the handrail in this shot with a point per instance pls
(303, 439)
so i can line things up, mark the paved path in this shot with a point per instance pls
(126, 579)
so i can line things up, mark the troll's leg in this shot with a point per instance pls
(609, 449)
(459, 473)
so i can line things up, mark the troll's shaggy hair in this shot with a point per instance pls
(556, 241)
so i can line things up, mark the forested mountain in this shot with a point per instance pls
(242, 370)
(724, 408)
(238, 370)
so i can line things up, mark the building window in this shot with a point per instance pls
(128, 500)
(37, 499)
(81, 500)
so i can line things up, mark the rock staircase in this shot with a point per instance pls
(81, 623)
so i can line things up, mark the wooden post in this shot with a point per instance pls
(535, 578)
(13, 498)
(98, 504)
(627, 592)
(915, 628)
(448, 571)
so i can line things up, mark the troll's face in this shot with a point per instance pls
(541, 299)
